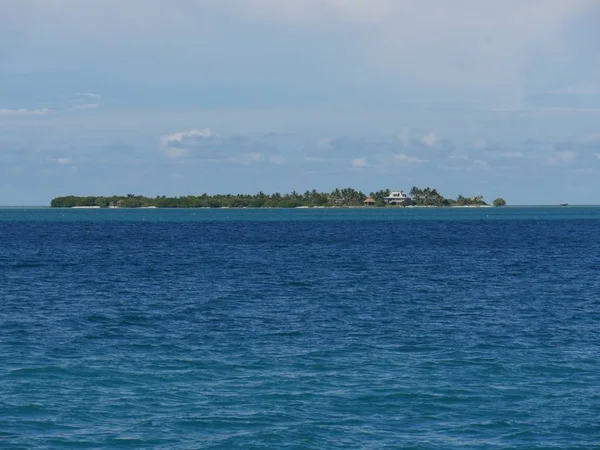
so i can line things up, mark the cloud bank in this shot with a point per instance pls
(490, 51)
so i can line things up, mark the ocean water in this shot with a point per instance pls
(404, 328)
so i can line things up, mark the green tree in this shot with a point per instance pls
(499, 202)
(346, 197)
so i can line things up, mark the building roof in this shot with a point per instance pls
(396, 195)
(369, 200)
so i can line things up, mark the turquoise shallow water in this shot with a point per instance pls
(413, 328)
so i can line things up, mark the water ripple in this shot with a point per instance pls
(300, 329)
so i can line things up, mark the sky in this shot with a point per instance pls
(157, 97)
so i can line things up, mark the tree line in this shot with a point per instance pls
(431, 197)
(338, 197)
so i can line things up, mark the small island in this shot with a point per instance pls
(346, 197)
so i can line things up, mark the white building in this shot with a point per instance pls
(397, 198)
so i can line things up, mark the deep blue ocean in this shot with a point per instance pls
(328, 328)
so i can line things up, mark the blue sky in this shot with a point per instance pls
(499, 98)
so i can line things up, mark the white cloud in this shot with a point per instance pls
(178, 137)
(406, 159)
(205, 145)
(430, 140)
(246, 158)
(90, 95)
(464, 162)
(558, 158)
(24, 112)
(359, 163)
(86, 101)
(62, 160)
(598, 155)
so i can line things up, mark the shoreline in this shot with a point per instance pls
(346, 197)
(275, 207)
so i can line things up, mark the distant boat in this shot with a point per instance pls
(564, 204)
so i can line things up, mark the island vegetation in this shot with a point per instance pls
(346, 197)
(499, 202)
